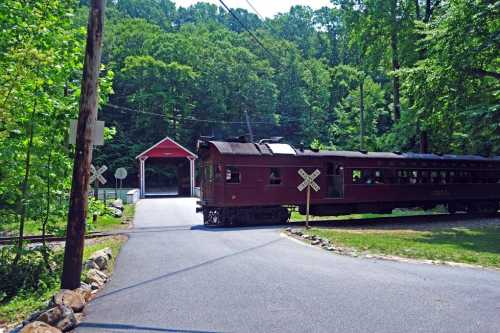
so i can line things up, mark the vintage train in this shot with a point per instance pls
(244, 182)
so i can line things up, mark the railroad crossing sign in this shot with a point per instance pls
(308, 183)
(308, 180)
(97, 174)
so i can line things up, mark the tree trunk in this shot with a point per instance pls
(24, 186)
(395, 63)
(47, 206)
(77, 215)
(362, 113)
(424, 142)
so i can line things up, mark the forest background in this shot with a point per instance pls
(424, 73)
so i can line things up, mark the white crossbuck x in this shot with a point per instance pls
(97, 174)
(308, 180)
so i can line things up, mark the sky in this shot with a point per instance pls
(267, 8)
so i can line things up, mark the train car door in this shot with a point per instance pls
(335, 180)
(207, 181)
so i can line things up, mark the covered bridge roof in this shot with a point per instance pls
(167, 148)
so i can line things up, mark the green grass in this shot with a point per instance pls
(23, 304)
(104, 223)
(477, 246)
(297, 217)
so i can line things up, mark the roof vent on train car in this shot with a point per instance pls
(313, 149)
(274, 139)
(397, 152)
(439, 154)
(364, 152)
(301, 146)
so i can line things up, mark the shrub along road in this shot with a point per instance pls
(174, 275)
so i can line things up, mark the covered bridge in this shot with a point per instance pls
(167, 154)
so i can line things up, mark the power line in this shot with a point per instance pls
(254, 37)
(256, 11)
(193, 119)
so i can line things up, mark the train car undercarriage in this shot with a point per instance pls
(242, 216)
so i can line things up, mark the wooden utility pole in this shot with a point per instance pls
(77, 214)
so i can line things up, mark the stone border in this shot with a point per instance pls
(322, 243)
(65, 309)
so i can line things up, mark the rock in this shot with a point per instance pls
(51, 316)
(68, 322)
(39, 327)
(107, 252)
(306, 236)
(330, 248)
(95, 286)
(90, 264)
(100, 259)
(115, 211)
(69, 298)
(96, 277)
(118, 203)
(289, 230)
(31, 318)
(315, 242)
(85, 291)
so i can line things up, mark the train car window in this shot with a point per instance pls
(413, 176)
(218, 172)
(275, 176)
(356, 176)
(423, 177)
(444, 177)
(233, 175)
(379, 178)
(403, 177)
(208, 173)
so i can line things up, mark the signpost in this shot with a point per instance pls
(121, 174)
(308, 183)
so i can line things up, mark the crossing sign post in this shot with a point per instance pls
(307, 184)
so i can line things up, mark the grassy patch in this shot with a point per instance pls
(27, 302)
(478, 246)
(104, 223)
(297, 217)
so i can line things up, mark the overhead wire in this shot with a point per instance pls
(193, 119)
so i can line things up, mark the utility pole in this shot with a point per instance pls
(77, 214)
(249, 126)
(362, 113)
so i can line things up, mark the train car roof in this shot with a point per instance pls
(277, 149)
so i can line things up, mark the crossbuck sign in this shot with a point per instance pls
(308, 183)
(97, 174)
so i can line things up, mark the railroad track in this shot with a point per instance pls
(49, 238)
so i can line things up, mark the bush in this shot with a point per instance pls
(37, 269)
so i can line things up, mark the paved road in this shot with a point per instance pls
(173, 275)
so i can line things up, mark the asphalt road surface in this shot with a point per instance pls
(174, 275)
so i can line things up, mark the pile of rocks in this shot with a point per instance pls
(116, 208)
(64, 310)
(319, 242)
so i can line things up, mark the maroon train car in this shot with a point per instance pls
(242, 183)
